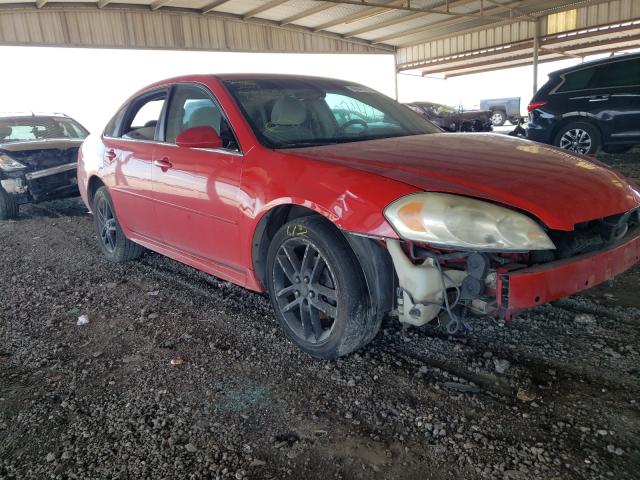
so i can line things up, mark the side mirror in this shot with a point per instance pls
(199, 137)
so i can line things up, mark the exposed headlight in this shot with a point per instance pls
(456, 221)
(8, 164)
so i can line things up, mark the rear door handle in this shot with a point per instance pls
(164, 164)
(599, 98)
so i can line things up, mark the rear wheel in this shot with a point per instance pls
(8, 205)
(498, 118)
(114, 245)
(579, 137)
(318, 290)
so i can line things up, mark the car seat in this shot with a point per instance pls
(287, 116)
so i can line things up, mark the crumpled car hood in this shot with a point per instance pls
(558, 188)
(41, 154)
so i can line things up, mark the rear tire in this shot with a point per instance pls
(498, 118)
(579, 137)
(318, 290)
(114, 245)
(9, 208)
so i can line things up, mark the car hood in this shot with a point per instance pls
(57, 143)
(41, 154)
(558, 188)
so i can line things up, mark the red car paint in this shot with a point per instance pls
(205, 208)
(544, 283)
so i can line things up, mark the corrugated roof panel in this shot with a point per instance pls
(336, 12)
(372, 19)
(238, 7)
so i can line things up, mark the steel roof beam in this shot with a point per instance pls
(212, 6)
(409, 8)
(159, 4)
(41, 3)
(263, 8)
(446, 23)
(306, 13)
(369, 12)
(404, 18)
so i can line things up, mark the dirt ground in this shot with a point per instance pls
(553, 395)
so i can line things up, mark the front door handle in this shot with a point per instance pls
(164, 164)
(599, 98)
(110, 155)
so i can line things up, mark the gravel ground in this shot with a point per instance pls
(178, 375)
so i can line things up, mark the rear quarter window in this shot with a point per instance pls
(578, 80)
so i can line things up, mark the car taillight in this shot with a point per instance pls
(532, 106)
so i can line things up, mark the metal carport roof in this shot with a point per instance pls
(436, 36)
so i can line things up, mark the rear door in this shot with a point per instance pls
(619, 81)
(129, 150)
(574, 97)
(197, 191)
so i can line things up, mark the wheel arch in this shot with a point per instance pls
(93, 185)
(577, 117)
(372, 255)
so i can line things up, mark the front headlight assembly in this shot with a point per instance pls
(8, 164)
(456, 221)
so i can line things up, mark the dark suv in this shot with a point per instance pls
(589, 106)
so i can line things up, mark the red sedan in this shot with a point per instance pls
(345, 205)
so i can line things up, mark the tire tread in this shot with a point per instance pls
(9, 208)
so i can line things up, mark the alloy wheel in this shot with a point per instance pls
(305, 290)
(106, 224)
(576, 140)
(497, 118)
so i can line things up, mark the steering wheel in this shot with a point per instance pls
(355, 121)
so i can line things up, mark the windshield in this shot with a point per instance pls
(300, 112)
(24, 129)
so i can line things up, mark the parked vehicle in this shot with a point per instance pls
(38, 159)
(502, 109)
(452, 119)
(345, 221)
(589, 106)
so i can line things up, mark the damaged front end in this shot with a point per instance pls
(458, 256)
(32, 172)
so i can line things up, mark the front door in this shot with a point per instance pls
(197, 191)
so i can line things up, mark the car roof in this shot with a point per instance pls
(240, 76)
(600, 61)
(31, 114)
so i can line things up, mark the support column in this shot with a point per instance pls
(536, 48)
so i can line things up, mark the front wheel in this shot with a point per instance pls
(318, 290)
(498, 118)
(579, 137)
(114, 245)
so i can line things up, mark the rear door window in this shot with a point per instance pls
(143, 118)
(617, 74)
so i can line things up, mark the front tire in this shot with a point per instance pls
(9, 208)
(579, 137)
(318, 290)
(114, 245)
